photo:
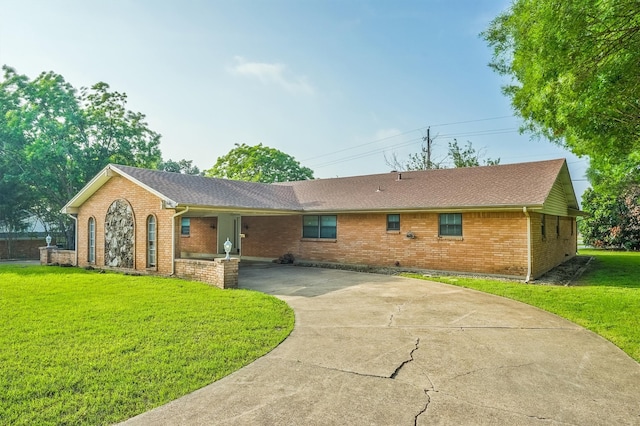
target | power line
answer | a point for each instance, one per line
(400, 145)
(479, 133)
(420, 129)
(472, 121)
(366, 154)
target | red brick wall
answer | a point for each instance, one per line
(492, 243)
(270, 236)
(202, 239)
(143, 204)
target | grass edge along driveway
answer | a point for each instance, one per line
(605, 299)
(80, 347)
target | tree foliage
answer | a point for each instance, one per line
(574, 69)
(15, 200)
(423, 160)
(183, 166)
(258, 164)
(468, 156)
(614, 221)
(55, 139)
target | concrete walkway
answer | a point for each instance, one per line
(378, 350)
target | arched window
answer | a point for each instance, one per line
(92, 241)
(151, 241)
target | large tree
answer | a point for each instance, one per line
(55, 138)
(614, 220)
(258, 163)
(574, 69)
(15, 197)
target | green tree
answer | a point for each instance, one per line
(61, 138)
(468, 156)
(16, 199)
(614, 221)
(574, 70)
(183, 166)
(258, 164)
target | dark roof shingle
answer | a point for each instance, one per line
(509, 185)
(211, 192)
(523, 184)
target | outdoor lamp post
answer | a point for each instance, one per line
(227, 248)
(48, 240)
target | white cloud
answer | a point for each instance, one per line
(273, 74)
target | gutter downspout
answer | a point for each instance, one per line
(75, 237)
(526, 213)
(173, 239)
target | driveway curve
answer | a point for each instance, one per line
(382, 350)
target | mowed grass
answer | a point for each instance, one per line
(606, 299)
(80, 347)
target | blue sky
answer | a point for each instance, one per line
(336, 84)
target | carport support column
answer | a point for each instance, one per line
(173, 239)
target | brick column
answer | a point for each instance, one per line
(227, 272)
(45, 255)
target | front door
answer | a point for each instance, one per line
(229, 226)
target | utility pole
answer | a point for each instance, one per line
(427, 149)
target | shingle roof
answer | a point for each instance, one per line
(211, 192)
(502, 186)
(523, 184)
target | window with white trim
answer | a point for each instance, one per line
(151, 241)
(92, 240)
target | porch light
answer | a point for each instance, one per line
(227, 248)
(48, 240)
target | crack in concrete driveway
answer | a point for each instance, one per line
(472, 358)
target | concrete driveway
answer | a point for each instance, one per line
(379, 350)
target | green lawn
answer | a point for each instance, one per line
(606, 299)
(81, 347)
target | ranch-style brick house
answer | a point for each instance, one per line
(516, 220)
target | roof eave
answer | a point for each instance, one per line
(194, 208)
(576, 212)
(88, 190)
(439, 209)
(109, 171)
